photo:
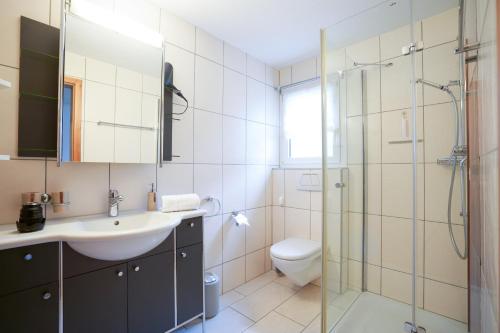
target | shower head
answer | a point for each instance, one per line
(433, 84)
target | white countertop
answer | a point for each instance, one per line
(68, 229)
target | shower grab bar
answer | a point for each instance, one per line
(105, 123)
(395, 142)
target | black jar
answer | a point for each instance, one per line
(31, 218)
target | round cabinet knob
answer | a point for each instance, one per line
(191, 224)
(119, 273)
(46, 295)
(137, 268)
(184, 255)
(28, 256)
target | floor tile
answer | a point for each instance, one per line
(227, 321)
(257, 283)
(229, 298)
(263, 301)
(314, 327)
(304, 306)
(345, 300)
(283, 280)
(275, 323)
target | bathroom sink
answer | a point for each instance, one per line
(123, 237)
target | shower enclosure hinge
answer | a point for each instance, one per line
(413, 47)
(339, 185)
(468, 48)
(410, 328)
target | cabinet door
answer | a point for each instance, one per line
(189, 282)
(151, 302)
(96, 302)
(31, 311)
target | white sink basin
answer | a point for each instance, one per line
(123, 237)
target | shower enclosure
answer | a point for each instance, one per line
(397, 258)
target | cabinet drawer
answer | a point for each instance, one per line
(28, 266)
(31, 311)
(189, 232)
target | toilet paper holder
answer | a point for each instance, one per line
(239, 218)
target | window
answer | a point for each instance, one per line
(301, 105)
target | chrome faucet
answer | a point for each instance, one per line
(113, 200)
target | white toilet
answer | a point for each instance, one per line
(299, 259)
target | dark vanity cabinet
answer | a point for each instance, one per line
(153, 293)
(29, 289)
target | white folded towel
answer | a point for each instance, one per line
(181, 202)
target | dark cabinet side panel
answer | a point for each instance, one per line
(31, 311)
(189, 282)
(151, 300)
(96, 302)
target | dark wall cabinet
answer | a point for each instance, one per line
(131, 296)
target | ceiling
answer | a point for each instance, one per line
(282, 32)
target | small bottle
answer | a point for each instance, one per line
(152, 198)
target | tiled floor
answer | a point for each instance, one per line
(269, 303)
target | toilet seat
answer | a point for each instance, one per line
(296, 249)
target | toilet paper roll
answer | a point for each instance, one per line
(240, 219)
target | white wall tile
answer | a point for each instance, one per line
(128, 79)
(374, 239)
(209, 46)
(355, 188)
(366, 51)
(99, 102)
(439, 124)
(255, 264)
(278, 224)
(151, 85)
(235, 94)
(355, 140)
(441, 65)
(272, 106)
(437, 186)
(208, 181)
(208, 85)
(212, 240)
(234, 140)
(183, 64)
(74, 65)
(234, 188)
(446, 299)
(373, 148)
(256, 101)
(269, 225)
(127, 145)
(233, 245)
(100, 71)
(297, 223)
(133, 182)
(98, 142)
(391, 42)
(398, 286)
(256, 232)
(233, 273)
(256, 186)
(128, 107)
(33, 180)
(182, 135)
(316, 226)
(278, 186)
(207, 137)
(177, 31)
(234, 58)
(440, 28)
(272, 77)
(304, 70)
(397, 190)
(256, 69)
(256, 143)
(293, 197)
(86, 183)
(272, 145)
(356, 236)
(441, 261)
(175, 179)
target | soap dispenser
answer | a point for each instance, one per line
(152, 198)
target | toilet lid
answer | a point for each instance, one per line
(295, 249)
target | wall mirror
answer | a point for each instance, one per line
(112, 91)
